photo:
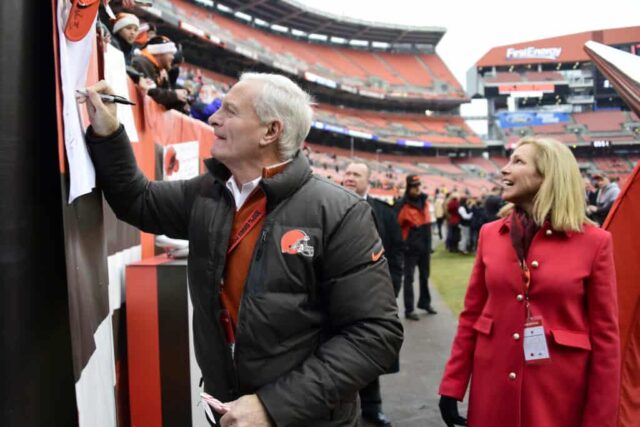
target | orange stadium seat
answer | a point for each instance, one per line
(410, 68)
(480, 162)
(373, 65)
(405, 73)
(612, 164)
(544, 76)
(438, 68)
(550, 128)
(343, 64)
(601, 121)
(503, 77)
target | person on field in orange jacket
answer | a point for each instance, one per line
(415, 222)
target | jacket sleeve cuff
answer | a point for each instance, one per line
(271, 405)
(452, 391)
(92, 138)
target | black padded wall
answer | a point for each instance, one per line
(35, 345)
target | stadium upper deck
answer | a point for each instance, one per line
(399, 129)
(386, 63)
(551, 87)
(551, 72)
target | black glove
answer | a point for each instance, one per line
(449, 411)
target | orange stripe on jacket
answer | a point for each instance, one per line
(239, 260)
(411, 217)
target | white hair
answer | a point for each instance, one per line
(281, 99)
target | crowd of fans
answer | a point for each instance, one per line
(458, 214)
(156, 64)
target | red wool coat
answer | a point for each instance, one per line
(573, 289)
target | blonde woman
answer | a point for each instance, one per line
(538, 336)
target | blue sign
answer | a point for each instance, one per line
(531, 118)
(344, 131)
(413, 143)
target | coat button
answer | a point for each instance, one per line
(512, 376)
(548, 232)
(535, 264)
(516, 336)
(519, 297)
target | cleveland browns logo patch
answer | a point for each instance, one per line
(296, 242)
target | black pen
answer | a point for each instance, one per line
(108, 98)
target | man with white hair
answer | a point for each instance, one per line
(294, 310)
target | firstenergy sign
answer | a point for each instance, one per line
(534, 53)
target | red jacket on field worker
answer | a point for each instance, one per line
(414, 220)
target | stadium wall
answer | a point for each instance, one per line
(37, 384)
(93, 252)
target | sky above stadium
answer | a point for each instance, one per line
(474, 27)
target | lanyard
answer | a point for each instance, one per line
(253, 219)
(526, 280)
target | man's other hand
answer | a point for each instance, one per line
(102, 115)
(247, 411)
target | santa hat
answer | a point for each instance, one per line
(159, 45)
(124, 19)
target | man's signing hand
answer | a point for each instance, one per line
(103, 115)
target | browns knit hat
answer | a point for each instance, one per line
(123, 20)
(413, 180)
(159, 45)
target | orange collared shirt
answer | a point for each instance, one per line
(239, 260)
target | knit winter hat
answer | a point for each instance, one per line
(413, 180)
(124, 19)
(159, 45)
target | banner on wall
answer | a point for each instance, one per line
(180, 161)
(74, 57)
(115, 73)
(531, 118)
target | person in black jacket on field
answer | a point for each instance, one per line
(356, 179)
(478, 219)
(293, 306)
(493, 203)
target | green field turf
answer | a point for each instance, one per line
(450, 274)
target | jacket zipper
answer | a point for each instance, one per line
(263, 240)
(268, 222)
(222, 260)
(258, 254)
